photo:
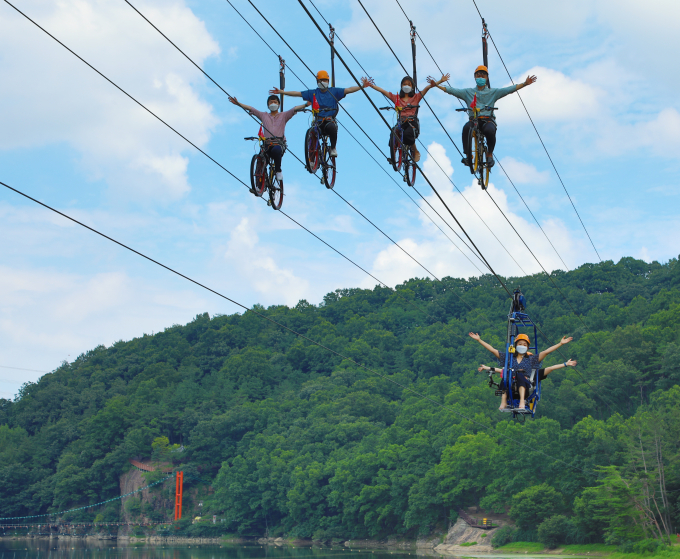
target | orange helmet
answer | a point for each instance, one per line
(482, 69)
(323, 75)
(522, 336)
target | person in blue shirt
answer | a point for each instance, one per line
(327, 98)
(486, 96)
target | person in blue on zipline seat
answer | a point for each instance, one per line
(327, 99)
(479, 97)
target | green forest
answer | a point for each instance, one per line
(295, 440)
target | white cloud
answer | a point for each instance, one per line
(255, 264)
(48, 316)
(443, 259)
(554, 97)
(57, 99)
(524, 173)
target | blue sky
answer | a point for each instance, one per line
(605, 104)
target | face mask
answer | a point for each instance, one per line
(521, 349)
(406, 88)
(481, 82)
(273, 107)
(322, 85)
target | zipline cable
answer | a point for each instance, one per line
(424, 176)
(354, 138)
(337, 194)
(417, 166)
(195, 146)
(292, 331)
(432, 157)
(539, 136)
(499, 163)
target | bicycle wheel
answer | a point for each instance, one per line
(275, 191)
(410, 172)
(483, 170)
(258, 168)
(396, 151)
(329, 170)
(312, 150)
(474, 145)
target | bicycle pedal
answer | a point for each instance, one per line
(269, 203)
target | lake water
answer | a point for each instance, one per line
(78, 549)
(103, 549)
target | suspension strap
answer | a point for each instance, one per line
(331, 36)
(485, 49)
(413, 51)
(282, 78)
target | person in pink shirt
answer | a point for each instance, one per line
(407, 101)
(273, 128)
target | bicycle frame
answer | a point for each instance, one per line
(479, 167)
(398, 132)
(271, 184)
(322, 151)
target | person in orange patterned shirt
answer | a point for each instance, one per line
(407, 101)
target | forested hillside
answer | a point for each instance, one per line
(298, 441)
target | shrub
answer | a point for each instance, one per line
(503, 535)
(468, 544)
(642, 546)
(555, 530)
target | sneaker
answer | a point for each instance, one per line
(334, 152)
(279, 176)
(465, 161)
(489, 161)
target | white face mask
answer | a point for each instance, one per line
(522, 349)
(273, 107)
(322, 84)
(406, 88)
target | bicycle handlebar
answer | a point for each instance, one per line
(487, 108)
(251, 138)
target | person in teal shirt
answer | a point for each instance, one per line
(486, 97)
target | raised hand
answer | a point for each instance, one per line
(565, 340)
(431, 81)
(530, 80)
(367, 82)
(571, 363)
(275, 91)
(233, 100)
(445, 78)
(474, 336)
(483, 368)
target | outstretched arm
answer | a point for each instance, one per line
(431, 83)
(244, 107)
(492, 369)
(368, 82)
(570, 363)
(354, 88)
(488, 347)
(277, 91)
(301, 107)
(434, 83)
(546, 352)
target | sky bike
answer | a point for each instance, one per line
(477, 142)
(263, 173)
(400, 155)
(318, 152)
(518, 319)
